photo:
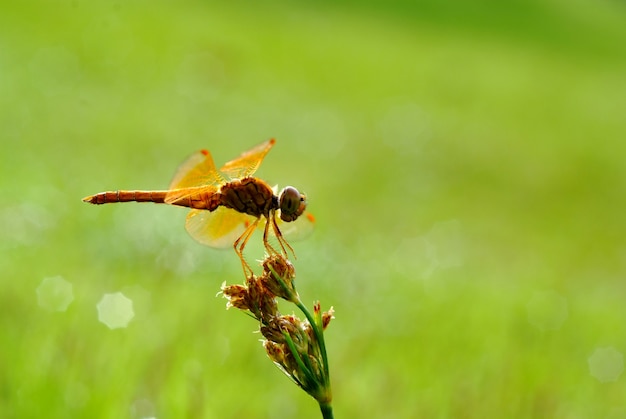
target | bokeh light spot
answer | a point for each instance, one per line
(115, 310)
(24, 224)
(178, 259)
(442, 248)
(55, 294)
(547, 310)
(606, 364)
(447, 244)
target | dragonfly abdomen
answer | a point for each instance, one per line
(200, 199)
(108, 197)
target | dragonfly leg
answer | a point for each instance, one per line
(240, 244)
(279, 236)
(270, 249)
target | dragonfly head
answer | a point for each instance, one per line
(291, 203)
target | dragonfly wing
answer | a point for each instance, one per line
(195, 175)
(219, 228)
(298, 229)
(248, 162)
(197, 170)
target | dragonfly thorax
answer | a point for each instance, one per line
(249, 195)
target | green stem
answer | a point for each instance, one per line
(327, 410)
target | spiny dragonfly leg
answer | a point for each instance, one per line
(281, 240)
(240, 244)
(270, 249)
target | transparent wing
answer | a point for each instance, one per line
(248, 162)
(296, 230)
(197, 170)
(196, 174)
(219, 228)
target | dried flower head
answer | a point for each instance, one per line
(237, 296)
(276, 329)
(327, 316)
(253, 297)
(275, 352)
(295, 346)
(278, 276)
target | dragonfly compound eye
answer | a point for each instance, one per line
(291, 203)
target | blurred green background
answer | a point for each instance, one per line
(465, 163)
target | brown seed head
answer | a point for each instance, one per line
(291, 365)
(327, 316)
(278, 276)
(268, 306)
(274, 351)
(255, 296)
(273, 330)
(294, 327)
(272, 333)
(237, 296)
(280, 265)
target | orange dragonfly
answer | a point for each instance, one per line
(227, 212)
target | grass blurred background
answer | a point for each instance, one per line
(465, 163)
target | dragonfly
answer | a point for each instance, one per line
(227, 206)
